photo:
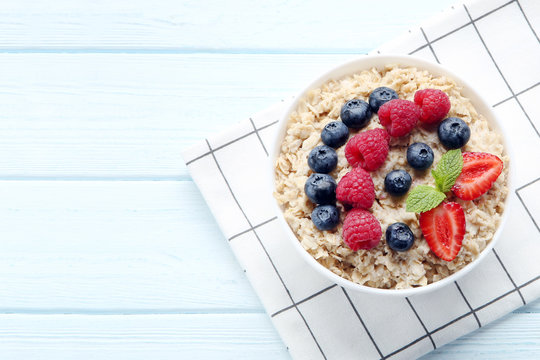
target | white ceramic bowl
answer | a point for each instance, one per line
(379, 61)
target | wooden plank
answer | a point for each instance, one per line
(215, 336)
(533, 307)
(102, 247)
(298, 26)
(130, 115)
(183, 336)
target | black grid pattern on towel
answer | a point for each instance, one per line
(473, 23)
(252, 228)
(472, 311)
(428, 334)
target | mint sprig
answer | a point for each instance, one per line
(448, 170)
(424, 198)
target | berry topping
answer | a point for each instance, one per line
(361, 230)
(399, 237)
(325, 217)
(419, 156)
(434, 105)
(322, 159)
(368, 149)
(480, 170)
(399, 116)
(321, 189)
(444, 229)
(453, 133)
(355, 113)
(335, 134)
(356, 188)
(380, 96)
(397, 182)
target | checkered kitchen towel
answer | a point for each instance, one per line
(495, 45)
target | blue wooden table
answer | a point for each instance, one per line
(108, 251)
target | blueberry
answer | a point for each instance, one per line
(380, 96)
(322, 159)
(397, 182)
(356, 113)
(321, 189)
(399, 237)
(419, 156)
(335, 134)
(325, 217)
(453, 133)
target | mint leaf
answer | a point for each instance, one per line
(424, 198)
(448, 170)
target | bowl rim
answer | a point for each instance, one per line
(365, 62)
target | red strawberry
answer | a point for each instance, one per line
(444, 229)
(480, 170)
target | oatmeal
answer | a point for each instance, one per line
(382, 267)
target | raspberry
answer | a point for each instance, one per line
(368, 149)
(361, 230)
(399, 116)
(434, 105)
(356, 188)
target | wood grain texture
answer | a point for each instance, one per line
(114, 337)
(239, 26)
(115, 246)
(94, 93)
(129, 115)
(215, 336)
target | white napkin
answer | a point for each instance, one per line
(493, 44)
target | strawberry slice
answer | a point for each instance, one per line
(444, 229)
(480, 170)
